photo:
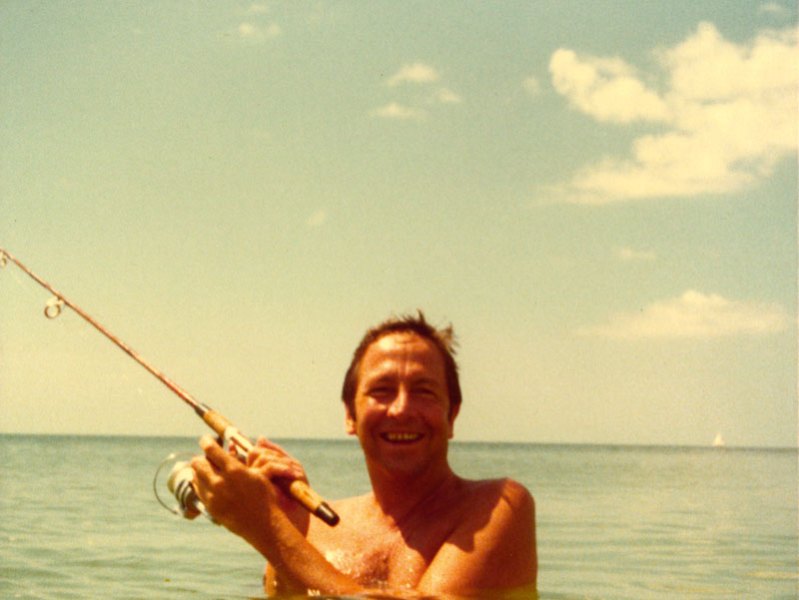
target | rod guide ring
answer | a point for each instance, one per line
(53, 307)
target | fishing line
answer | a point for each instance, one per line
(227, 432)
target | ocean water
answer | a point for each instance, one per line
(79, 519)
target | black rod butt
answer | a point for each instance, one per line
(327, 514)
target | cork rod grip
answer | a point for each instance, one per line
(313, 502)
(299, 490)
(216, 422)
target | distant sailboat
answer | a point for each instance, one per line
(718, 441)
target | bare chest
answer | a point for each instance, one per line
(377, 557)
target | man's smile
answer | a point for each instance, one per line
(400, 437)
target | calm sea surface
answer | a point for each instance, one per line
(78, 519)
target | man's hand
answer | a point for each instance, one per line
(244, 499)
(280, 468)
(237, 496)
(226, 485)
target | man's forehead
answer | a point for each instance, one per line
(398, 345)
(400, 341)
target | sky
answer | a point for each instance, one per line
(599, 196)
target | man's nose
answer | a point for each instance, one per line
(400, 404)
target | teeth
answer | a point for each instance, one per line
(401, 437)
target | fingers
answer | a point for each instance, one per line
(205, 471)
(204, 477)
(210, 467)
(274, 462)
(266, 457)
(265, 443)
(215, 454)
(232, 490)
(276, 466)
(237, 497)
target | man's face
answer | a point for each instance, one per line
(402, 404)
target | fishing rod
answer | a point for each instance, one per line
(180, 479)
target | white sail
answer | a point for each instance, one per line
(718, 442)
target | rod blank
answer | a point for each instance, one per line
(299, 490)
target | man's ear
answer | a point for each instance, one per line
(349, 421)
(453, 413)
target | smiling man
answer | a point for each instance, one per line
(422, 527)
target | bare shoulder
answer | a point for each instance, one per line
(493, 545)
(503, 518)
(506, 486)
(503, 494)
(497, 515)
(515, 494)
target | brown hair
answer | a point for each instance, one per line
(442, 339)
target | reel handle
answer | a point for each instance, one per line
(180, 485)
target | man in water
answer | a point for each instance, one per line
(422, 528)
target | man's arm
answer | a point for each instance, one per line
(492, 550)
(497, 553)
(245, 501)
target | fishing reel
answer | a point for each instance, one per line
(176, 475)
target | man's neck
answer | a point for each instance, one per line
(398, 495)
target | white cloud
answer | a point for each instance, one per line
(258, 33)
(708, 67)
(257, 8)
(773, 8)
(247, 30)
(694, 315)
(414, 73)
(272, 30)
(447, 96)
(606, 89)
(393, 110)
(418, 74)
(627, 254)
(317, 218)
(727, 115)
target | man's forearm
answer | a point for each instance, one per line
(297, 561)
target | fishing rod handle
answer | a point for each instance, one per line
(313, 502)
(297, 489)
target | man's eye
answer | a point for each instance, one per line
(380, 392)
